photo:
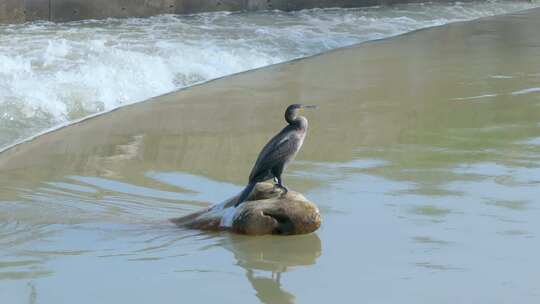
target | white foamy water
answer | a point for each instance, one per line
(51, 74)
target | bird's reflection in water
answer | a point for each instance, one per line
(266, 258)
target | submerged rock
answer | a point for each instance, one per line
(266, 211)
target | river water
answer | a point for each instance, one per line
(424, 159)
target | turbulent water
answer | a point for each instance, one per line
(51, 74)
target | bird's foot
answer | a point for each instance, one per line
(285, 190)
(279, 185)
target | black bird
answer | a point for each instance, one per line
(279, 151)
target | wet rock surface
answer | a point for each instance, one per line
(266, 211)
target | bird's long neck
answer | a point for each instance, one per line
(297, 121)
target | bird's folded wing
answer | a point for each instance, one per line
(274, 154)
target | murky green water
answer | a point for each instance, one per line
(424, 159)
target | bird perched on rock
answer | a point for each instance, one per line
(279, 151)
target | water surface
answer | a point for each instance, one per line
(424, 159)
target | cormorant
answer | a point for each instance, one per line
(279, 151)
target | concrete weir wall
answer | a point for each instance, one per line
(14, 11)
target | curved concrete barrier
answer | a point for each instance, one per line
(12, 11)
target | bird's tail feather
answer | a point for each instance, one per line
(245, 193)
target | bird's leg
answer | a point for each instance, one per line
(280, 184)
(276, 183)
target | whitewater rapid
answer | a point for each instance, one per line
(52, 74)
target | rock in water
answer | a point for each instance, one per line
(266, 211)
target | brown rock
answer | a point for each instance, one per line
(266, 211)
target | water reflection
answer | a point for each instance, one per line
(266, 259)
(33, 293)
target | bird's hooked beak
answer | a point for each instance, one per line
(310, 107)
